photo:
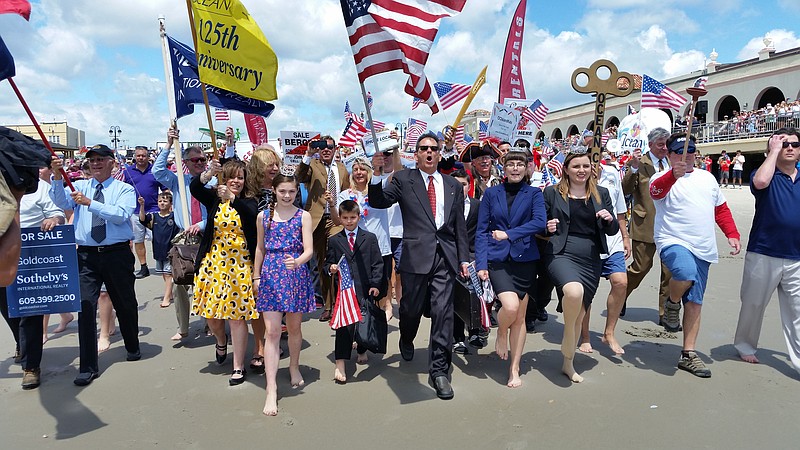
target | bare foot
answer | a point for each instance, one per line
(362, 359)
(586, 347)
(297, 379)
(339, 373)
(501, 346)
(389, 314)
(166, 302)
(44, 339)
(271, 405)
(103, 344)
(178, 336)
(569, 371)
(612, 343)
(514, 381)
(63, 324)
(749, 358)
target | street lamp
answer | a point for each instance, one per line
(400, 127)
(113, 132)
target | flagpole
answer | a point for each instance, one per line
(202, 83)
(39, 130)
(183, 195)
(696, 93)
(369, 117)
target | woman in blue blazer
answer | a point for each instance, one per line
(505, 252)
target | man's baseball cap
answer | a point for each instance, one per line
(100, 150)
(677, 145)
(587, 133)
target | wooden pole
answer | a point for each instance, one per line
(202, 83)
(696, 93)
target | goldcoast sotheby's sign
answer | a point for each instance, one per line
(232, 52)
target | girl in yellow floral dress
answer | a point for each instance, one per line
(223, 286)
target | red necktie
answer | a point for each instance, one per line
(432, 196)
(351, 240)
(197, 214)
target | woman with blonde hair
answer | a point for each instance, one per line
(579, 219)
(262, 167)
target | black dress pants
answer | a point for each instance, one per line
(27, 333)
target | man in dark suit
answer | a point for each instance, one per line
(636, 182)
(435, 249)
(324, 179)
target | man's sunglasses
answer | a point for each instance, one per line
(424, 148)
(680, 151)
(198, 159)
(793, 144)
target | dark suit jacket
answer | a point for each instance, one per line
(365, 261)
(472, 225)
(420, 236)
(643, 214)
(558, 208)
(246, 207)
(315, 177)
(526, 219)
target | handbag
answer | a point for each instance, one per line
(182, 256)
(372, 331)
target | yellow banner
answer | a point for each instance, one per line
(232, 52)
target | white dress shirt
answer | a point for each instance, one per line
(438, 186)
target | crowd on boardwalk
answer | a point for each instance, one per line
(272, 244)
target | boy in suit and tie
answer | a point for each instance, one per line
(362, 253)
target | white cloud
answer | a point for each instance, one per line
(781, 40)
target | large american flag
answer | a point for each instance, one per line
(536, 113)
(656, 95)
(353, 131)
(387, 35)
(346, 310)
(415, 129)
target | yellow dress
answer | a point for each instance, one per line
(223, 287)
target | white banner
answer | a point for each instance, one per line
(503, 122)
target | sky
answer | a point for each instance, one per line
(98, 63)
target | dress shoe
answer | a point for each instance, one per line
(442, 386)
(85, 378)
(478, 341)
(461, 348)
(237, 381)
(530, 325)
(541, 315)
(134, 356)
(325, 316)
(30, 380)
(406, 351)
(142, 273)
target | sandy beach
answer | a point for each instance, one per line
(178, 397)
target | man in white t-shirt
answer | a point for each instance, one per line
(688, 202)
(738, 166)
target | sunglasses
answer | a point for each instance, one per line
(680, 151)
(425, 148)
(198, 159)
(793, 144)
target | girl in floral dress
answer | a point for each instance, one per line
(282, 280)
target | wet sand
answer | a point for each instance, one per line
(177, 397)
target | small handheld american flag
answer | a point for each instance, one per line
(346, 311)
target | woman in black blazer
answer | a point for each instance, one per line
(578, 221)
(505, 251)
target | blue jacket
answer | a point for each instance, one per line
(526, 219)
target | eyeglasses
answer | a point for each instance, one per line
(97, 160)
(198, 159)
(515, 165)
(425, 148)
(330, 146)
(680, 151)
(793, 144)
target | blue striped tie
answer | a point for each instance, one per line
(98, 223)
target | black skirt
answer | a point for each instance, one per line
(578, 262)
(513, 276)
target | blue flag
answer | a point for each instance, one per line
(188, 91)
(6, 62)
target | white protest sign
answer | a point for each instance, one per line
(291, 140)
(503, 122)
(525, 128)
(348, 160)
(409, 160)
(385, 142)
(633, 129)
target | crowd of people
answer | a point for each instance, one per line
(272, 239)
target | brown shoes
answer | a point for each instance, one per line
(30, 380)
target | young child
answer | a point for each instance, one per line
(164, 229)
(362, 253)
(283, 281)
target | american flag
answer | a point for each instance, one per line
(547, 178)
(604, 139)
(700, 82)
(483, 130)
(416, 102)
(369, 101)
(221, 114)
(656, 95)
(387, 35)
(415, 129)
(346, 310)
(348, 114)
(460, 134)
(536, 113)
(353, 131)
(119, 172)
(378, 125)
(556, 164)
(450, 93)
